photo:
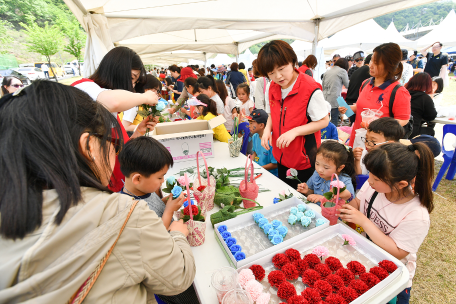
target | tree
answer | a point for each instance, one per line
(76, 41)
(45, 41)
(5, 39)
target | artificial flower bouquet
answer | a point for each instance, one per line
(195, 220)
(148, 110)
(196, 211)
(204, 189)
(331, 201)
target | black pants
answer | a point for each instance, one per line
(303, 175)
(187, 297)
(335, 116)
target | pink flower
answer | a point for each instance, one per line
(254, 289)
(263, 298)
(245, 276)
(282, 192)
(289, 172)
(337, 184)
(181, 180)
(320, 251)
(348, 240)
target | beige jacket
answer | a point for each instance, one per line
(50, 264)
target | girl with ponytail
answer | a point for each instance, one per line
(393, 207)
(208, 110)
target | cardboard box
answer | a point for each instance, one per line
(185, 138)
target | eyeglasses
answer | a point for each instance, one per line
(17, 86)
(115, 141)
(359, 59)
(371, 143)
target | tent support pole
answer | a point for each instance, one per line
(315, 41)
(205, 60)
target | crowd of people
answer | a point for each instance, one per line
(81, 165)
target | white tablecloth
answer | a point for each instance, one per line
(445, 121)
(209, 256)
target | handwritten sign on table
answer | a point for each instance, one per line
(342, 103)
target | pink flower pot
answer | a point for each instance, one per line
(330, 213)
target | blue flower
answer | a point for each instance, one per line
(262, 222)
(305, 221)
(282, 231)
(221, 228)
(186, 204)
(320, 221)
(272, 233)
(163, 100)
(276, 224)
(257, 217)
(177, 190)
(301, 207)
(310, 213)
(299, 214)
(277, 239)
(226, 235)
(235, 248)
(292, 219)
(230, 241)
(239, 256)
(276, 200)
(160, 106)
(294, 210)
(266, 227)
(171, 180)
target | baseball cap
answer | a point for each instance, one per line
(430, 141)
(404, 54)
(358, 55)
(336, 55)
(258, 115)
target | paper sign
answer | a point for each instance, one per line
(342, 103)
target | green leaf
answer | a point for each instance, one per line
(290, 177)
(328, 195)
(329, 204)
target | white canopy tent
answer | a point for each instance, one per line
(114, 21)
(396, 37)
(175, 57)
(444, 32)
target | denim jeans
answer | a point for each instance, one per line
(335, 116)
(404, 296)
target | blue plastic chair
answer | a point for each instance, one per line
(360, 180)
(449, 159)
(245, 130)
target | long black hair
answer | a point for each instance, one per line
(114, 71)
(205, 82)
(211, 106)
(40, 131)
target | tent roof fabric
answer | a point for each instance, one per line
(444, 32)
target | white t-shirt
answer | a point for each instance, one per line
(130, 115)
(407, 73)
(219, 103)
(246, 106)
(44, 68)
(230, 104)
(407, 224)
(317, 107)
(363, 166)
(92, 89)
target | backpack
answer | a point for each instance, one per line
(408, 128)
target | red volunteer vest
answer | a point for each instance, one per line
(117, 178)
(303, 69)
(290, 113)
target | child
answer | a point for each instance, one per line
(380, 131)
(293, 128)
(208, 112)
(230, 105)
(243, 102)
(144, 162)
(393, 207)
(332, 157)
(263, 157)
(330, 132)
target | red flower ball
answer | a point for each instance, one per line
(258, 272)
(301, 265)
(323, 270)
(311, 295)
(312, 260)
(297, 300)
(280, 260)
(379, 272)
(293, 254)
(333, 263)
(323, 287)
(194, 210)
(335, 299)
(370, 279)
(310, 276)
(290, 271)
(388, 266)
(359, 286)
(335, 281)
(346, 275)
(201, 188)
(356, 267)
(349, 294)
(286, 290)
(276, 277)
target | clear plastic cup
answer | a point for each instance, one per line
(237, 296)
(224, 280)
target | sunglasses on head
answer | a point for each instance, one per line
(115, 141)
(17, 85)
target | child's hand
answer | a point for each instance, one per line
(352, 215)
(148, 122)
(303, 188)
(266, 140)
(315, 198)
(175, 204)
(179, 226)
(358, 152)
(285, 139)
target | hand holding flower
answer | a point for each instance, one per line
(303, 188)
(352, 215)
(175, 204)
(315, 198)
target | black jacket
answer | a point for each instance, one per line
(423, 110)
(356, 80)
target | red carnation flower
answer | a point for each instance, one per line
(335, 281)
(333, 263)
(370, 279)
(379, 272)
(388, 266)
(323, 287)
(194, 210)
(258, 272)
(301, 265)
(297, 299)
(286, 290)
(276, 277)
(349, 294)
(356, 267)
(359, 286)
(346, 275)
(280, 260)
(290, 271)
(312, 260)
(201, 188)
(323, 270)
(335, 299)
(311, 295)
(293, 254)
(310, 276)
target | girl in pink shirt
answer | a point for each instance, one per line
(393, 207)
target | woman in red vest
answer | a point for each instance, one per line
(308, 65)
(118, 85)
(298, 112)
